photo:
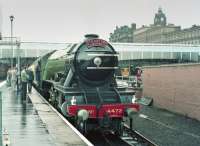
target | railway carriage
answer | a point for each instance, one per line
(80, 82)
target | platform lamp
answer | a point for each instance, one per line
(11, 35)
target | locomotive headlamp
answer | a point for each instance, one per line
(73, 100)
(97, 61)
(83, 115)
(133, 99)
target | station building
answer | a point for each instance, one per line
(185, 36)
(123, 34)
(158, 32)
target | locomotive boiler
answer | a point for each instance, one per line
(80, 82)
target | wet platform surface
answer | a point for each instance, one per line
(22, 122)
(61, 131)
(166, 128)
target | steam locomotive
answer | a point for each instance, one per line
(80, 82)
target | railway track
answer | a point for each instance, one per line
(134, 138)
(99, 138)
(129, 137)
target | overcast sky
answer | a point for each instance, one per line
(69, 20)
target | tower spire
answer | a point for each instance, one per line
(160, 18)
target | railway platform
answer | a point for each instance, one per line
(166, 128)
(21, 122)
(33, 122)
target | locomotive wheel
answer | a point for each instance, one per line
(119, 128)
(52, 97)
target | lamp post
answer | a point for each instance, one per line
(11, 35)
(18, 69)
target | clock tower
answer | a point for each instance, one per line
(160, 18)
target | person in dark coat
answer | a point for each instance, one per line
(24, 78)
(30, 80)
(38, 72)
(139, 76)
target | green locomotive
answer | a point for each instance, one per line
(80, 82)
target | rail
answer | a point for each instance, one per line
(134, 138)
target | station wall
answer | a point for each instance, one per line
(174, 87)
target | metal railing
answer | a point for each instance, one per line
(123, 78)
(130, 81)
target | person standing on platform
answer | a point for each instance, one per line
(8, 79)
(30, 79)
(24, 77)
(14, 79)
(139, 76)
(38, 72)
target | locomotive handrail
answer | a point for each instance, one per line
(102, 67)
(69, 92)
(93, 54)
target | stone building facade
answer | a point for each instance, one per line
(153, 33)
(161, 32)
(184, 36)
(158, 32)
(123, 34)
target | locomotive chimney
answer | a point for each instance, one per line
(91, 36)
